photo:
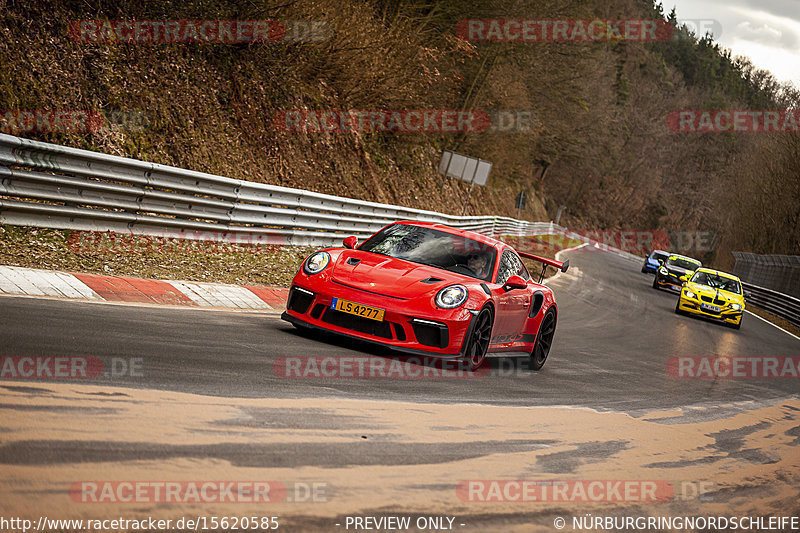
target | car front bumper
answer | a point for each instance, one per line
(403, 328)
(725, 314)
(669, 281)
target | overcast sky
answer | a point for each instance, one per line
(767, 31)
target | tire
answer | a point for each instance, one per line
(655, 282)
(479, 338)
(739, 325)
(678, 308)
(644, 270)
(544, 340)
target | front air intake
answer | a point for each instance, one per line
(299, 300)
(430, 333)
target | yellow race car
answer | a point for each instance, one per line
(713, 294)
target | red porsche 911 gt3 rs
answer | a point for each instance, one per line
(428, 289)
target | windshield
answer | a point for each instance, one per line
(434, 248)
(680, 262)
(658, 256)
(717, 282)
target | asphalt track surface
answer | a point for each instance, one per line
(209, 405)
(614, 337)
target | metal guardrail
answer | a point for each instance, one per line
(779, 304)
(67, 188)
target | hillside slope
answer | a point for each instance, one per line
(597, 143)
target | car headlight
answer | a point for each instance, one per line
(689, 294)
(736, 307)
(452, 296)
(316, 263)
(663, 271)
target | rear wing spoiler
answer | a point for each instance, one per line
(562, 266)
(559, 265)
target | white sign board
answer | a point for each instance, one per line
(482, 174)
(465, 168)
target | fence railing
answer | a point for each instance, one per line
(55, 186)
(777, 272)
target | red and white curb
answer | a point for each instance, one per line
(94, 287)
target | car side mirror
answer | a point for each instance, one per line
(515, 282)
(351, 242)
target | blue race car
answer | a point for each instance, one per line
(654, 260)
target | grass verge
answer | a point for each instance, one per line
(778, 321)
(154, 258)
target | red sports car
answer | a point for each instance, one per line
(428, 289)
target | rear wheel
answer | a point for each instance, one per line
(544, 340)
(478, 343)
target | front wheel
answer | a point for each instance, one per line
(544, 340)
(478, 343)
(655, 282)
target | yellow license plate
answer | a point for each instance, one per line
(373, 313)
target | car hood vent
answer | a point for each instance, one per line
(386, 275)
(353, 261)
(432, 280)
